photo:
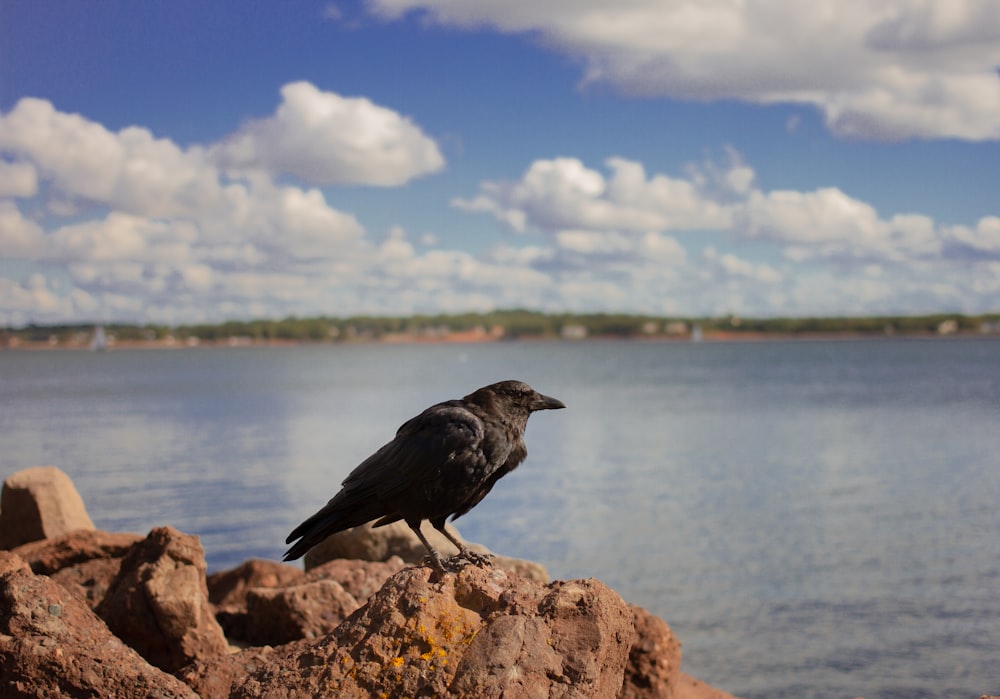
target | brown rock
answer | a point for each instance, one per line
(53, 645)
(307, 610)
(359, 578)
(229, 588)
(90, 580)
(263, 602)
(217, 678)
(654, 661)
(368, 543)
(479, 633)
(11, 563)
(39, 503)
(84, 561)
(689, 688)
(50, 555)
(159, 605)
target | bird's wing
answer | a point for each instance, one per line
(423, 447)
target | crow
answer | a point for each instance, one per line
(441, 463)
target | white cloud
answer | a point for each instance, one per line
(876, 70)
(731, 266)
(829, 223)
(138, 223)
(596, 247)
(118, 237)
(18, 179)
(130, 171)
(563, 194)
(20, 238)
(818, 248)
(983, 240)
(37, 299)
(591, 218)
(824, 215)
(324, 138)
(78, 156)
(126, 225)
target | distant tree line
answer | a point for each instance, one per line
(512, 324)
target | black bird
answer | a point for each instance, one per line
(441, 463)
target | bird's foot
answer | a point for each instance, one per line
(455, 563)
(475, 558)
(452, 564)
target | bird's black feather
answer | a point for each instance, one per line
(441, 464)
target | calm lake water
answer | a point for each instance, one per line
(813, 519)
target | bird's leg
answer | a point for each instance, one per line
(432, 554)
(464, 552)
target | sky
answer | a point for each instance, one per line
(199, 161)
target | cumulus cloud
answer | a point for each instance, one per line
(634, 231)
(324, 138)
(731, 266)
(562, 194)
(18, 180)
(908, 69)
(981, 241)
(103, 224)
(629, 213)
(21, 238)
(130, 171)
(140, 225)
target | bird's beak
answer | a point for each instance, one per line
(546, 403)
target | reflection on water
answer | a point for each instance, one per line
(813, 519)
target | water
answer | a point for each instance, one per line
(814, 519)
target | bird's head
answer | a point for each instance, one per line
(516, 396)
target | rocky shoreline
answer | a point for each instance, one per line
(90, 613)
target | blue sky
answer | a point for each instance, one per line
(190, 161)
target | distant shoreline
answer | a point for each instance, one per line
(512, 325)
(713, 338)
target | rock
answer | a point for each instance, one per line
(39, 503)
(218, 678)
(84, 561)
(360, 578)
(48, 556)
(307, 610)
(228, 588)
(53, 645)
(688, 687)
(654, 661)
(524, 568)
(90, 580)
(369, 543)
(286, 604)
(158, 603)
(479, 633)
(11, 563)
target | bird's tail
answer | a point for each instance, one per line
(335, 516)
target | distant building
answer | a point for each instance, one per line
(948, 327)
(573, 332)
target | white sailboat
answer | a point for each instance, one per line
(99, 342)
